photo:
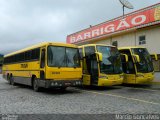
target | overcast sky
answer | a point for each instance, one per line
(27, 22)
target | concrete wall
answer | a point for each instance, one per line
(107, 41)
(152, 39)
(125, 40)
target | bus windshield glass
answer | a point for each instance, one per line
(111, 63)
(63, 57)
(145, 64)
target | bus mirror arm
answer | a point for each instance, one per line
(136, 58)
(100, 56)
(154, 57)
(124, 57)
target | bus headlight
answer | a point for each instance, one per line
(139, 75)
(121, 76)
(103, 77)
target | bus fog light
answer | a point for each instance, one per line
(56, 83)
(52, 84)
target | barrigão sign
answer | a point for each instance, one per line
(135, 19)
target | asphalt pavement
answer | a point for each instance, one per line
(137, 99)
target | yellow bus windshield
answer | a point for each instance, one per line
(59, 56)
(111, 63)
(145, 65)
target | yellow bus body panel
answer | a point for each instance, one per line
(86, 79)
(112, 80)
(63, 73)
(106, 80)
(29, 68)
(16, 70)
(129, 78)
(132, 79)
(148, 78)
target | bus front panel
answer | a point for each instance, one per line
(137, 72)
(107, 72)
(109, 80)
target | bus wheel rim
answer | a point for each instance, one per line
(35, 85)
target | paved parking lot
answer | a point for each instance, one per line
(157, 77)
(118, 99)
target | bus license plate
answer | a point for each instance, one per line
(67, 83)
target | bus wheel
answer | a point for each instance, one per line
(12, 80)
(8, 79)
(35, 85)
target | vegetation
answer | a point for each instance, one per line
(1, 59)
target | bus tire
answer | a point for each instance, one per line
(12, 80)
(8, 79)
(36, 88)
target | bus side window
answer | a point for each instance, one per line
(42, 58)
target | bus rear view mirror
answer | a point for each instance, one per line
(124, 57)
(136, 58)
(100, 56)
(154, 57)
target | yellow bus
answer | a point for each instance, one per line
(139, 68)
(101, 65)
(44, 65)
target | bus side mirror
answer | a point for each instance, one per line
(136, 58)
(154, 57)
(124, 57)
(100, 56)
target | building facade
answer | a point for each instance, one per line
(139, 28)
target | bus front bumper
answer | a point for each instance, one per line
(110, 82)
(141, 80)
(59, 83)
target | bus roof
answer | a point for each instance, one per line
(95, 45)
(41, 45)
(129, 47)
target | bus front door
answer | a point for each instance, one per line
(42, 63)
(92, 66)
